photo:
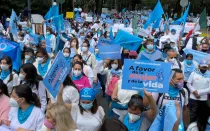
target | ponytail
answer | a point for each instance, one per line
(35, 100)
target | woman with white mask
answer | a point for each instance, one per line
(49, 35)
(29, 56)
(43, 62)
(25, 113)
(7, 75)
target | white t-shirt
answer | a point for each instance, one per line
(167, 98)
(12, 82)
(87, 121)
(34, 121)
(70, 95)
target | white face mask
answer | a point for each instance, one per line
(84, 49)
(4, 67)
(133, 118)
(66, 54)
(27, 57)
(13, 102)
(22, 77)
(77, 73)
(114, 66)
(47, 32)
(40, 60)
(107, 35)
(172, 60)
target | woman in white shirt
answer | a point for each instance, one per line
(28, 75)
(25, 113)
(52, 38)
(86, 69)
(7, 75)
(70, 93)
(43, 62)
(199, 86)
(87, 115)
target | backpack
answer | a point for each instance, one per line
(111, 85)
(160, 94)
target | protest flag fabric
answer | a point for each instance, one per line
(155, 14)
(111, 36)
(58, 22)
(123, 10)
(157, 23)
(12, 23)
(203, 20)
(53, 11)
(48, 45)
(197, 55)
(183, 18)
(11, 49)
(34, 38)
(127, 40)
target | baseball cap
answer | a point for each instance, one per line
(203, 63)
(87, 94)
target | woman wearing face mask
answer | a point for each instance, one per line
(49, 35)
(86, 69)
(188, 66)
(58, 118)
(203, 121)
(43, 62)
(87, 115)
(70, 94)
(23, 42)
(66, 53)
(29, 56)
(124, 55)
(28, 75)
(25, 113)
(7, 75)
(113, 75)
(4, 103)
(137, 119)
(78, 77)
(89, 57)
(199, 86)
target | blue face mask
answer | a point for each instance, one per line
(189, 62)
(86, 106)
(150, 47)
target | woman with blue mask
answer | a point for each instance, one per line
(87, 115)
(188, 66)
(137, 119)
(43, 62)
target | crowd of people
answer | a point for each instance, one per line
(27, 105)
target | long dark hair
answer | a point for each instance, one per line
(113, 124)
(81, 64)
(9, 62)
(203, 115)
(25, 91)
(136, 102)
(77, 42)
(93, 109)
(43, 51)
(3, 88)
(68, 82)
(80, 57)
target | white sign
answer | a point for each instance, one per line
(89, 19)
(178, 28)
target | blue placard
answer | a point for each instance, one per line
(109, 51)
(103, 42)
(151, 75)
(57, 74)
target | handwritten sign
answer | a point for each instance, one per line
(154, 76)
(56, 74)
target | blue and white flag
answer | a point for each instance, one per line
(53, 11)
(13, 23)
(155, 14)
(12, 49)
(197, 55)
(58, 22)
(34, 38)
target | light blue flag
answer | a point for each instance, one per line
(12, 23)
(77, 14)
(155, 14)
(109, 51)
(79, 20)
(58, 22)
(48, 15)
(123, 10)
(12, 49)
(127, 40)
(157, 23)
(103, 16)
(183, 18)
(197, 55)
(111, 36)
(165, 119)
(34, 38)
(53, 11)
(48, 45)
(109, 21)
